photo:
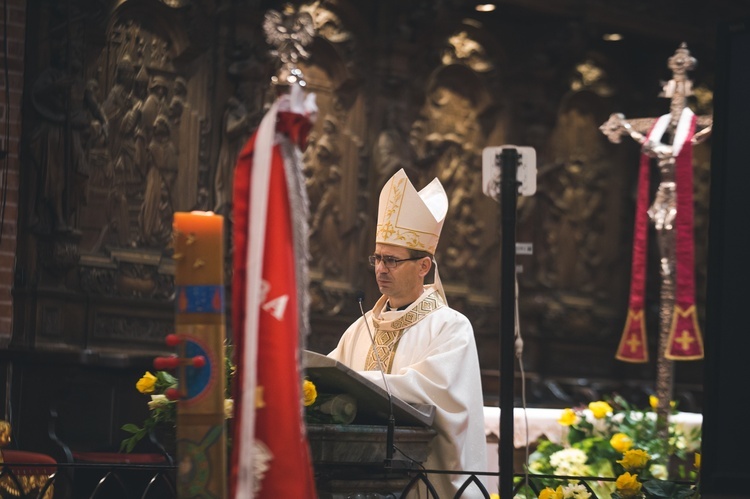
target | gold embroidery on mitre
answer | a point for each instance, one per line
(388, 232)
(409, 218)
(395, 198)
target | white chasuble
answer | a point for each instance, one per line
(430, 357)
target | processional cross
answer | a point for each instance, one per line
(668, 140)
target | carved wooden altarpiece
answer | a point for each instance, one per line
(134, 109)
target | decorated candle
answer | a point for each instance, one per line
(199, 337)
(199, 273)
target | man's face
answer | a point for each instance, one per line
(402, 284)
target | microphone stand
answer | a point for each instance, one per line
(508, 162)
(391, 428)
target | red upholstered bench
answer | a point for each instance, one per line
(32, 472)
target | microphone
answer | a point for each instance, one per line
(391, 429)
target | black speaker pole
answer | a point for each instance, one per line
(508, 163)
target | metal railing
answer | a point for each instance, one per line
(88, 481)
(154, 481)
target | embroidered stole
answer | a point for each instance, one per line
(388, 332)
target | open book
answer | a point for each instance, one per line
(333, 377)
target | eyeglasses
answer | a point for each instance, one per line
(390, 262)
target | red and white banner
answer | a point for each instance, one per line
(270, 454)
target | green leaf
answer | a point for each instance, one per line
(130, 428)
(129, 443)
(659, 488)
(164, 380)
(575, 435)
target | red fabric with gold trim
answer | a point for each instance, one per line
(633, 347)
(635, 325)
(685, 341)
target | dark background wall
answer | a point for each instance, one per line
(14, 30)
(721, 475)
(421, 85)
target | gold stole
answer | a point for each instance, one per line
(388, 333)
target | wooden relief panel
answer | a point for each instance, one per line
(456, 121)
(334, 165)
(117, 140)
(115, 147)
(575, 219)
(137, 109)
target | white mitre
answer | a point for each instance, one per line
(409, 218)
(412, 219)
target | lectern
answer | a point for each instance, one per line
(351, 458)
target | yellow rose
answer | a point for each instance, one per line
(621, 442)
(147, 383)
(568, 417)
(635, 459)
(697, 462)
(653, 401)
(494, 496)
(228, 408)
(549, 493)
(628, 485)
(309, 393)
(600, 409)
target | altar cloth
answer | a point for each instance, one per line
(543, 422)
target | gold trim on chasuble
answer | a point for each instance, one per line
(388, 334)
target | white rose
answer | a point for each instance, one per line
(659, 471)
(158, 401)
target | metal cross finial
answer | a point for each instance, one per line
(678, 89)
(681, 62)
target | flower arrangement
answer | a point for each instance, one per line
(612, 439)
(162, 410)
